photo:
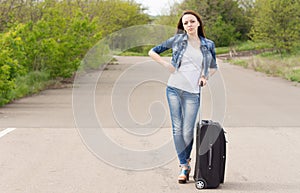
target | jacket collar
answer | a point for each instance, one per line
(202, 39)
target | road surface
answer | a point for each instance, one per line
(45, 146)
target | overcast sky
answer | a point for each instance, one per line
(157, 7)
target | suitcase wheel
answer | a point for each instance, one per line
(200, 184)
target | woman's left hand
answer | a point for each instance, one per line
(203, 80)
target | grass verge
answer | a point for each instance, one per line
(273, 64)
(30, 84)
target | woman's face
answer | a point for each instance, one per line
(190, 24)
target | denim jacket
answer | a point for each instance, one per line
(178, 43)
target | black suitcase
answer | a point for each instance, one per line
(210, 155)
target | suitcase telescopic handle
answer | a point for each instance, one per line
(200, 101)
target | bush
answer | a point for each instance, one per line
(274, 64)
(294, 75)
(222, 33)
(31, 83)
(12, 51)
(47, 40)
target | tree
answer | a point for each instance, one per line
(51, 37)
(114, 15)
(277, 22)
(223, 33)
(224, 17)
(18, 11)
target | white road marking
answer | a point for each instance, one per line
(6, 131)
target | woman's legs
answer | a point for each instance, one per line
(190, 111)
(183, 109)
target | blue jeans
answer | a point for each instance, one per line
(184, 108)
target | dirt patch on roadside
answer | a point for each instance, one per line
(239, 54)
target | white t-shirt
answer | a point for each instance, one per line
(187, 76)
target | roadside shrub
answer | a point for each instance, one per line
(294, 75)
(12, 51)
(222, 33)
(31, 83)
(46, 40)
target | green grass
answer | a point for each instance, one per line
(286, 66)
(243, 46)
(242, 63)
(30, 84)
(294, 75)
(129, 53)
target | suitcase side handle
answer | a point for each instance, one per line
(210, 156)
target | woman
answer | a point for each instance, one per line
(193, 61)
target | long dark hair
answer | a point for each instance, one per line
(180, 28)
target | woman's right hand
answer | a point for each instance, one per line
(171, 68)
(161, 61)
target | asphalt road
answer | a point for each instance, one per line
(110, 133)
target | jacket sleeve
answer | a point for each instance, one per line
(213, 63)
(164, 46)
